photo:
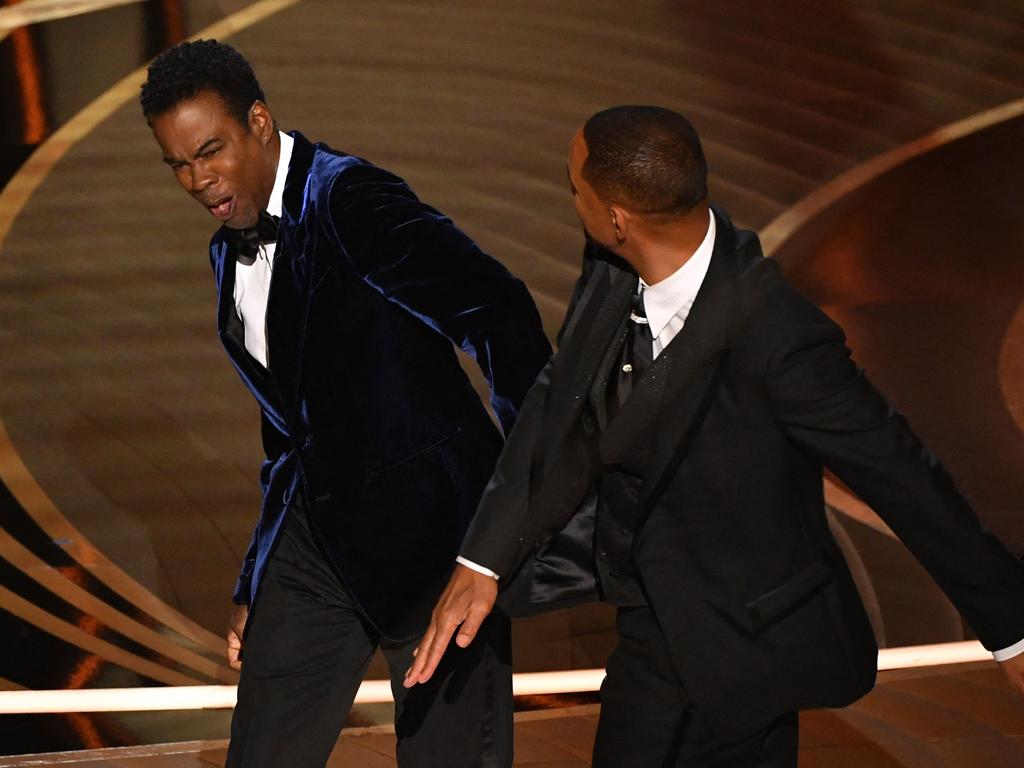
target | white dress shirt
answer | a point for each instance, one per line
(667, 305)
(252, 281)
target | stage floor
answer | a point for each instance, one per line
(929, 718)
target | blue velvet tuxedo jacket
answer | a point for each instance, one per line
(366, 410)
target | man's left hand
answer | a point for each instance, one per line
(1014, 669)
(464, 604)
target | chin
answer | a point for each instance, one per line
(242, 220)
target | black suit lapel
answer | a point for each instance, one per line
(588, 338)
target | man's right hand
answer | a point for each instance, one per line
(464, 604)
(236, 626)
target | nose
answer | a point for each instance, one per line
(201, 177)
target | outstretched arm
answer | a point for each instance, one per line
(493, 540)
(827, 405)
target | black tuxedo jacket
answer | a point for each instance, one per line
(732, 425)
(366, 410)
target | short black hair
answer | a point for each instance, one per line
(646, 158)
(186, 70)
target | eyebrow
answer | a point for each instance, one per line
(568, 175)
(198, 152)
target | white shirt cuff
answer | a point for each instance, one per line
(1005, 654)
(488, 572)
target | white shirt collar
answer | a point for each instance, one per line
(675, 294)
(274, 206)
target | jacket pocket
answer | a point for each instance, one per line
(781, 600)
(426, 447)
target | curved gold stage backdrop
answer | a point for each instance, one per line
(129, 449)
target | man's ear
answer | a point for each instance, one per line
(621, 221)
(261, 122)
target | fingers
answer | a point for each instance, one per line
(417, 665)
(430, 650)
(234, 650)
(469, 628)
(236, 626)
(465, 602)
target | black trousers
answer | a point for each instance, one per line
(647, 721)
(306, 650)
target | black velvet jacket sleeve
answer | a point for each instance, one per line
(418, 259)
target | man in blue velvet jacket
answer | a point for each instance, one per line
(340, 296)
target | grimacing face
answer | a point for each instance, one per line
(229, 167)
(594, 213)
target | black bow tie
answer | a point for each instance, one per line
(247, 242)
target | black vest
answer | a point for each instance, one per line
(618, 508)
(617, 511)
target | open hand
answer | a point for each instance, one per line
(464, 604)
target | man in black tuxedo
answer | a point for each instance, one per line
(340, 296)
(669, 459)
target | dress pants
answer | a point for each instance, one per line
(647, 721)
(306, 649)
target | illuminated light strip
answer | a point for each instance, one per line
(379, 691)
(939, 654)
(35, 11)
(30, 89)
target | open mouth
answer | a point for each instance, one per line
(222, 208)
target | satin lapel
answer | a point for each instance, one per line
(288, 301)
(586, 341)
(566, 465)
(603, 375)
(673, 385)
